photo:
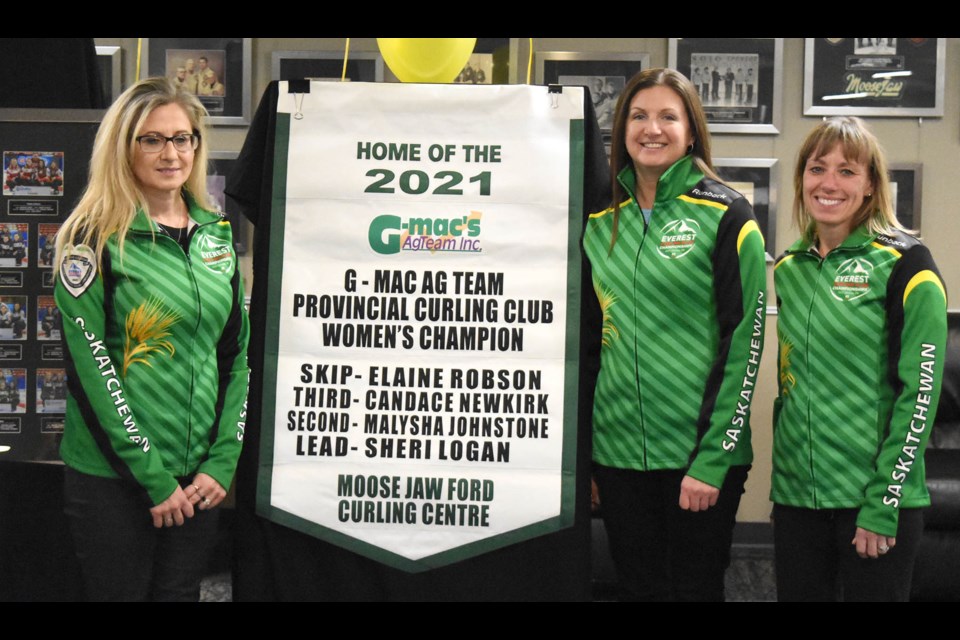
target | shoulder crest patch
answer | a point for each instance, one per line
(79, 269)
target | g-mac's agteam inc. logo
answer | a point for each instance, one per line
(390, 234)
(852, 279)
(678, 238)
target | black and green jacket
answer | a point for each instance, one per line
(862, 335)
(683, 302)
(156, 356)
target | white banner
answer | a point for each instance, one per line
(420, 387)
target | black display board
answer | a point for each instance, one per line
(45, 172)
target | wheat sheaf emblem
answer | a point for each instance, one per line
(787, 380)
(147, 329)
(607, 300)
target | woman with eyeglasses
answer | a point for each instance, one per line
(156, 333)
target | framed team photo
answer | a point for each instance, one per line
(901, 77)
(49, 321)
(13, 317)
(13, 390)
(51, 391)
(46, 237)
(216, 70)
(478, 70)
(756, 179)
(14, 244)
(33, 173)
(739, 80)
(604, 74)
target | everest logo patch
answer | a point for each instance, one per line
(216, 254)
(852, 279)
(678, 238)
(78, 270)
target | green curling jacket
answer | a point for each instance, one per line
(683, 300)
(156, 356)
(862, 338)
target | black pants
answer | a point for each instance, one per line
(660, 551)
(816, 562)
(122, 556)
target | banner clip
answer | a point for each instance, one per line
(554, 90)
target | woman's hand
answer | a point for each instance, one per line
(872, 545)
(172, 511)
(696, 495)
(205, 492)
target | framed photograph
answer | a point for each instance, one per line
(605, 74)
(13, 390)
(906, 182)
(756, 179)
(901, 77)
(49, 321)
(220, 164)
(217, 70)
(740, 80)
(478, 70)
(13, 317)
(51, 391)
(33, 173)
(326, 65)
(111, 76)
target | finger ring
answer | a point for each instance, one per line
(206, 501)
(883, 548)
(169, 521)
(196, 488)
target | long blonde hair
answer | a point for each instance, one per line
(113, 196)
(856, 142)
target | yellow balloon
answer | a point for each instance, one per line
(426, 59)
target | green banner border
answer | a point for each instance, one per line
(571, 381)
(271, 333)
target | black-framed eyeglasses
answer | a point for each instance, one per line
(154, 143)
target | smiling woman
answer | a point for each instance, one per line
(678, 268)
(862, 332)
(156, 337)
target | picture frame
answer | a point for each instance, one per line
(893, 77)
(362, 66)
(221, 163)
(756, 179)
(225, 94)
(744, 93)
(604, 74)
(906, 182)
(109, 59)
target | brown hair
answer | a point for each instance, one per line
(620, 158)
(856, 142)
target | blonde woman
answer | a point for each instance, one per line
(862, 332)
(156, 333)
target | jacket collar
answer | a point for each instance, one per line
(682, 176)
(858, 238)
(142, 222)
